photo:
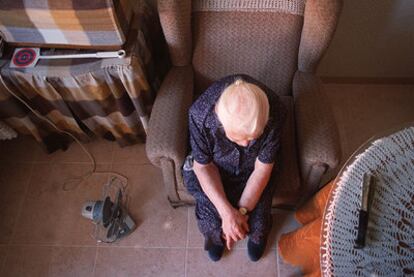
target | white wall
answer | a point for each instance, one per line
(374, 38)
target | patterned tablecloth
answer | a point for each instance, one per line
(389, 249)
(110, 98)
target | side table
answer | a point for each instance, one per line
(389, 249)
(324, 245)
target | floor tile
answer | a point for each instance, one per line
(140, 262)
(283, 222)
(3, 255)
(159, 225)
(72, 261)
(287, 270)
(40, 154)
(27, 261)
(134, 154)
(49, 261)
(20, 149)
(52, 215)
(234, 263)
(14, 180)
(101, 150)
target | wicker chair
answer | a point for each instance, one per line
(278, 42)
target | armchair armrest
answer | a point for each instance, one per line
(167, 138)
(317, 133)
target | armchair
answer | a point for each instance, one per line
(279, 43)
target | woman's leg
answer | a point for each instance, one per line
(208, 219)
(260, 223)
(260, 219)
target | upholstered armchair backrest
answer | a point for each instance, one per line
(267, 39)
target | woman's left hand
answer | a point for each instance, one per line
(235, 227)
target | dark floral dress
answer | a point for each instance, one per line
(235, 163)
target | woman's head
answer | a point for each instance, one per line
(243, 110)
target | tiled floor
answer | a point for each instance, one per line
(43, 234)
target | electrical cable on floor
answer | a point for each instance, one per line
(77, 180)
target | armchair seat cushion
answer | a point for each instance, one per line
(287, 177)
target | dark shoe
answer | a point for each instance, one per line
(215, 252)
(255, 251)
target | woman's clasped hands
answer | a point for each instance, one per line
(235, 227)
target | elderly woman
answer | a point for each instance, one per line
(235, 137)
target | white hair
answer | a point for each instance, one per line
(243, 109)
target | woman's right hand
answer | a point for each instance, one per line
(235, 226)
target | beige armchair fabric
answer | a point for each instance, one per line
(278, 42)
(167, 140)
(317, 135)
